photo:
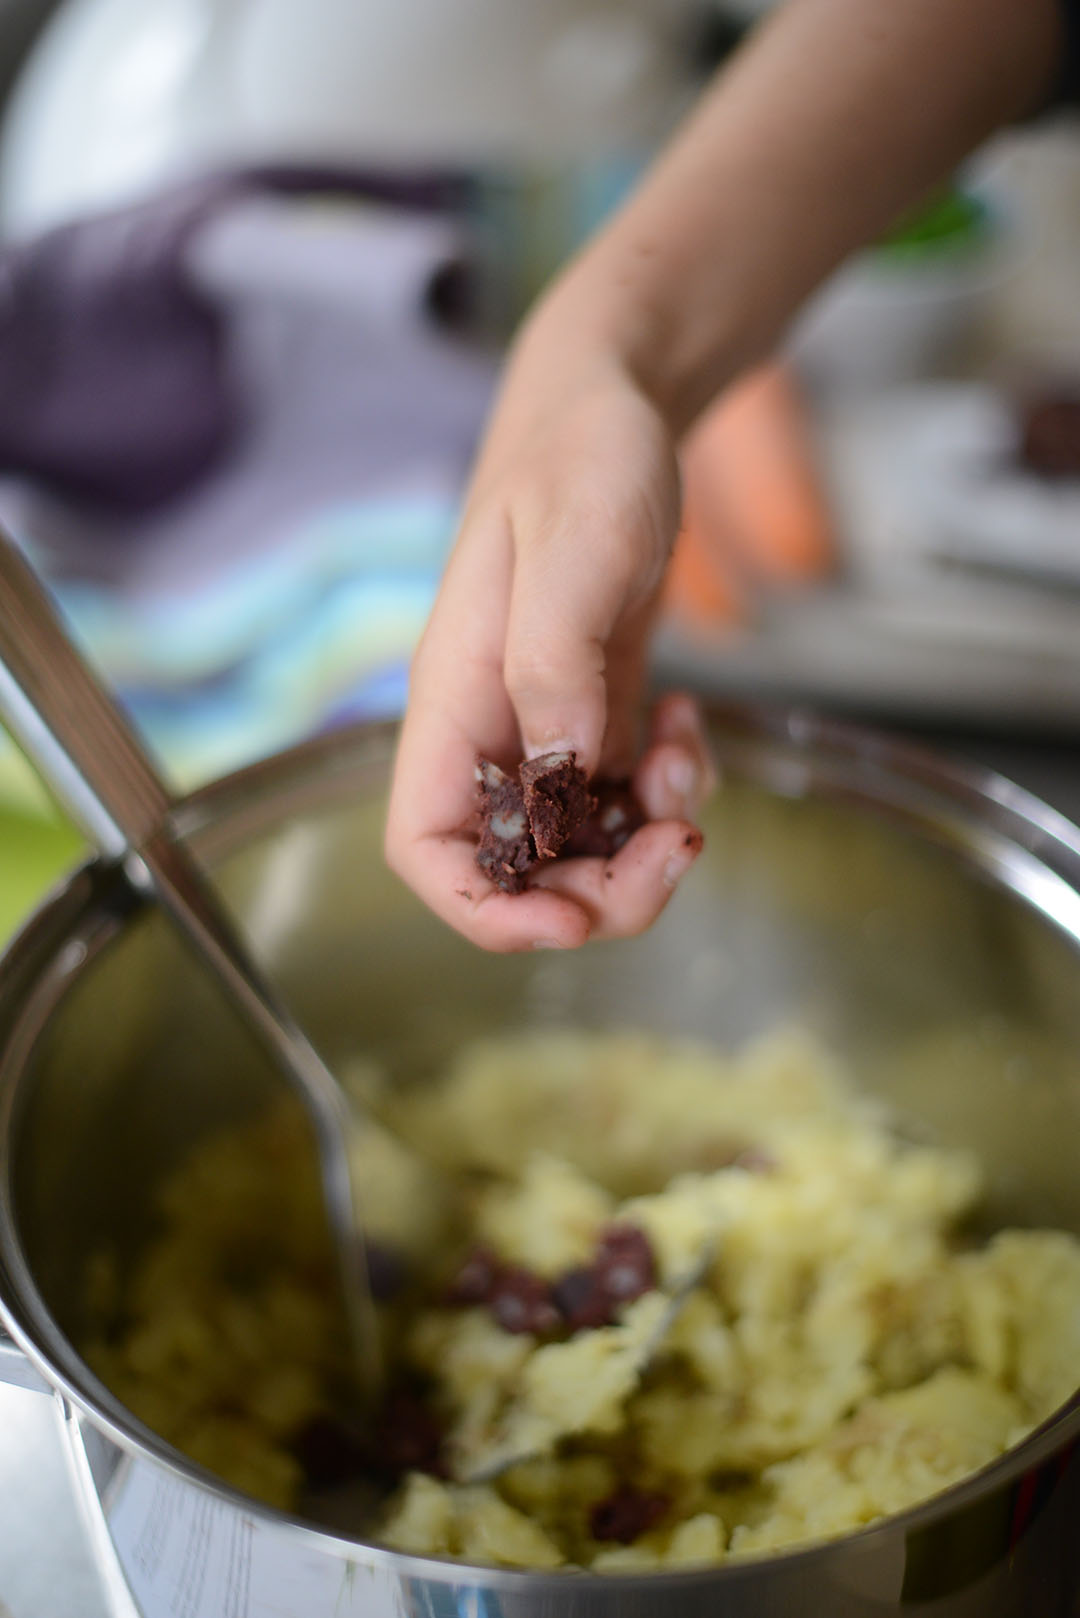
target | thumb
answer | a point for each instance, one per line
(571, 586)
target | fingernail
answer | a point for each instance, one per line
(548, 943)
(683, 777)
(554, 742)
(680, 859)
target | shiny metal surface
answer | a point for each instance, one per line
(16, 1370)
(88, 754)
(924, 920)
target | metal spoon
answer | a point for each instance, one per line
(89, 756)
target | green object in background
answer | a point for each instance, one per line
(952, 221)
(36, 845)
(35, 851)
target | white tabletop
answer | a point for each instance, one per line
(45, 1566)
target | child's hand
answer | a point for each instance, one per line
(538, 641)
(838, 115)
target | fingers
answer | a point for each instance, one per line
(623, 896)
(627, 659)
(433, 797)
(444, 875)
(536, 642)
(568, 902)
(676, 773)
(562, 612)
(457, 707)
(589, 554)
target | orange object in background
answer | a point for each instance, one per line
(700, 588)
(754, 508)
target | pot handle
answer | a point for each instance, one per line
(16, 1370)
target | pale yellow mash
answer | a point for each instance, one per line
(844, 1355)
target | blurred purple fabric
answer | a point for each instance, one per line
(115, 389)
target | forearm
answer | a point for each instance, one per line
(836, 116)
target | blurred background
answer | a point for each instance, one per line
(257, 265)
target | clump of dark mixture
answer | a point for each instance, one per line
(505, 851)
(557, 800)
(614, 820)
(549, 811)
(402, 1435)
(623, 1268)
(627, 1514)
(406, 1433)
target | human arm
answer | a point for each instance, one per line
(838, 115)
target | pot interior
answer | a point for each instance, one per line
(836, 893)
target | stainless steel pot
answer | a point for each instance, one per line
(925, 919)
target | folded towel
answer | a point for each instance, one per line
(282, 584)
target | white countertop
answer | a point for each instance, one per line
(45, 1566)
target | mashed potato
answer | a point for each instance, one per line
(840, 1356)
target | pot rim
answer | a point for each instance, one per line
(213, 815)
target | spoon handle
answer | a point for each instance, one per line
(91, 759)
(93, 762)
(89, 756)
(70, 728)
